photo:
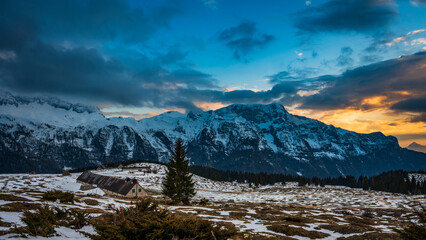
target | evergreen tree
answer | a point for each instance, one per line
(178, 184)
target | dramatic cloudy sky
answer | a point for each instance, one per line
(356, 64)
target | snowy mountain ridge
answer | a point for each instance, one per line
(48, 134)
(48, 110)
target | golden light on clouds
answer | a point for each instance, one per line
(206, 106)
(375, 101)
(380, 120)
(230, 89)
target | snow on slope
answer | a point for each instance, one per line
(250, 120)
(260, 137)
(229, 202)
(48, 110)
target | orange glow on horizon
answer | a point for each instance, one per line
(206, 106)
(380, 120)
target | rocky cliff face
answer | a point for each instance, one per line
(47, 135)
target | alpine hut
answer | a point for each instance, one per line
(128, 188)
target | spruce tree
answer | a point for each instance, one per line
(178, 184)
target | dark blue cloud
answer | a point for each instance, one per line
(86, 73)
(87, 21)
(388, 78)
(33, 33)
(347, 15)
(244, 38)
(345, 57)
(411, 105)
(83, 72)
(419, 118)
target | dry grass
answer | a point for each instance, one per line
(4, 224)
(347, 228)
(91, 202)
(250, 236)
(19, 206)
(10, 197)
(291, 219)
(373, 236)
(90, 210)
(238, 215)
(293, 231)
(360, 220)
(327, 217)
(4, 233)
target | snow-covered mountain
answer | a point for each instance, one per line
(47, 135)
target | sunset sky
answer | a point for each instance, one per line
(356, 64)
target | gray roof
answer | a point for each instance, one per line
(112, 184)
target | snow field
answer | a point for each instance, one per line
(329, 210)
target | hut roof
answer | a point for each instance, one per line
(112, 184)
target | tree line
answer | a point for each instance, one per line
(397, 181)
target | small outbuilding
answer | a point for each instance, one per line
(128, 188)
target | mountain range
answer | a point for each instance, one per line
(45, 134)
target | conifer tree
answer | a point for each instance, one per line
(178, 184)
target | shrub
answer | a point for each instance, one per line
(147, 221)
(415, 231)
(62, 196)
(66, 173)
(78, 219)
(204, 201)
(41, 222)
(368, 213)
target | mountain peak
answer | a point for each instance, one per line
(254, 112)
(417, 147)
(414, 144)
(273, 107)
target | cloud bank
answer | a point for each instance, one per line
(347, 15)
(244, 39)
